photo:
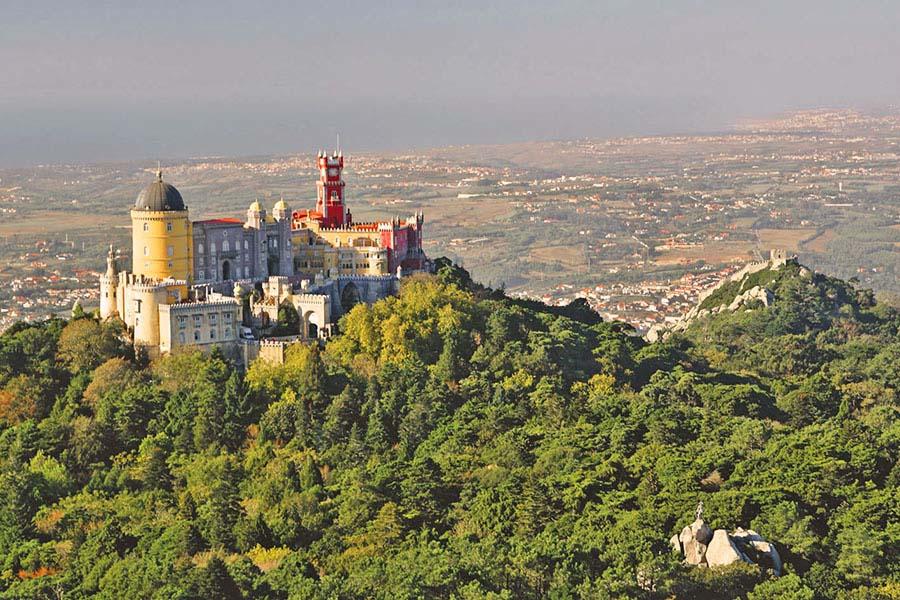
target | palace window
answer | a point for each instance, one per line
(212, 247)
(212, 334)
(170, 251)
(182, 323)
(196, 336)
(197, 320)
(200, 248)
(246, 245)
(225, 246)
(146, 251)
(146, 226)
(247, 272)
(181, 337)
(227, 317)
(169, 226)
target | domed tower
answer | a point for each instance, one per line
(256, 215)
(281, 210)
(108, 284)
(283, 250)
(161, 234)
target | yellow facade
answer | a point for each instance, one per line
(162, 245)
(342, 251)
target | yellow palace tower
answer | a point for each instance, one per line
(161, 273)
(161, 234)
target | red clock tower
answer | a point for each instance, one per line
(330, 202)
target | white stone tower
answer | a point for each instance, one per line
(108, 284)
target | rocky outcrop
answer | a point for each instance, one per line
(755, 293)
(699, 545)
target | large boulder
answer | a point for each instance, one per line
(723, 551)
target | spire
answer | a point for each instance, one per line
(158, 171)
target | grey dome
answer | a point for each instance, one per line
(159, 195)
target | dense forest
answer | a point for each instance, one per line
(455, 443)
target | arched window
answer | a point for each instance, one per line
(146, 251)
(200, 248)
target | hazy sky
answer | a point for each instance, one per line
(85, 80)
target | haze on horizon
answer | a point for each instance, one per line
(95, 81)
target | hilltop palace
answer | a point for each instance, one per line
(222, 282)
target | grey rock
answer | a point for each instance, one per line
(701, 531)
(694, 552)
(744, 536)
(686, 535)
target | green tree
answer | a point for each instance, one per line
(85, 344)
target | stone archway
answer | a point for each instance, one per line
(349, 297)
(310, 324)
(226, 270)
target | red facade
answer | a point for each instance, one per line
(402, 239)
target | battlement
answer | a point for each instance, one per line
(365, 277)
(310, 298)
(196, 304)
(280, 341)
(323, 160)
(144, 284)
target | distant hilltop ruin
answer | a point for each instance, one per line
(743, 288)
